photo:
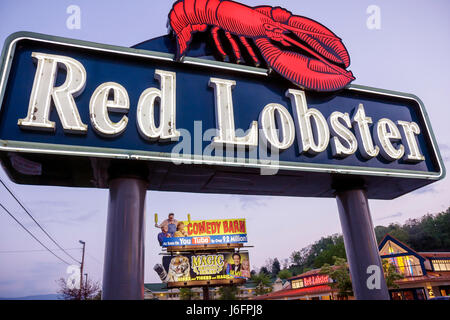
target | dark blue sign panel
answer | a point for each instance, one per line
(201, 125)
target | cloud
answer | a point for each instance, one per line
(57, 212)
(445, 151)
(426, 189)
(395, 215)
(247, 202)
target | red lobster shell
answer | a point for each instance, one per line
(319, 58)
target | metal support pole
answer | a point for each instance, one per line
(80, 293)
(205, 293)
(123, 273)
(361, 246)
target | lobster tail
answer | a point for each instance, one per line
(188, 16)
(304, 71)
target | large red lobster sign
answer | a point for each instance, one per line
(299, 49)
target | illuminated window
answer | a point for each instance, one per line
(441, 264)
(391, 248)
(297, 284)
(407, 265)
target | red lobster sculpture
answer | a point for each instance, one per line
(321, 67)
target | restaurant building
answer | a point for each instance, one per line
(426, 276)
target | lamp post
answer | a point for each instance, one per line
(81, 269)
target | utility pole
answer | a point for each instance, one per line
(86, 280)
(81, 270)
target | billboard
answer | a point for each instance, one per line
(190, 269)
(207, 232)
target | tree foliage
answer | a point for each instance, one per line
(263, 283)
(390, 274)
(90, 291)
(284, 274)
(340, 275)
(317, 254)
(186, 294)
(276, 267)
(428, 233)
(228, 292)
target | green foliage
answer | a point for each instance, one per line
(340, 275)
(186, 294)
(317, 254)
(391, 274)
(276, 267)
(263, 283)
(284, 274)
(228, 292)
(264, 270)
(428, 233)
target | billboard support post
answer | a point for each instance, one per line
(361, 246)
(205, 293)
(123, 274)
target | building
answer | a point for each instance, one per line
(159, 291)
(310, 285)
(426, 276)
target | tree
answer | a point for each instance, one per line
(90, 291)
(284, 274)
(228, 292)
(186, 294)
(264, 270)
(428, 233)
(263, 283)
(340, 275)
(390, 274)
(276, 267)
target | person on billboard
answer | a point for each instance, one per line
(245, 269)
(163, 234)
(180, 230)
(171, 224)
(234, 269)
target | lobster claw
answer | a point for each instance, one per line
(319, 38)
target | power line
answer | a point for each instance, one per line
(26, 251)
(25, 209)
(12, 216)
(93, 258)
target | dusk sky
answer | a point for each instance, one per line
(403, 48)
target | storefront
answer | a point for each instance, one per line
(310, 285)
(426, 276)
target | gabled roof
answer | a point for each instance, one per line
(295, 292)
(431, 255)
(388, 237)
(156, 287)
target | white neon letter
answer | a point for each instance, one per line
(275, 113)
(304, 117)
(167, 114)
(44, 91)
(101, 104)
(366, 147)
(341, 131)
(225, 117)
(387, 130)
(409, 133)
